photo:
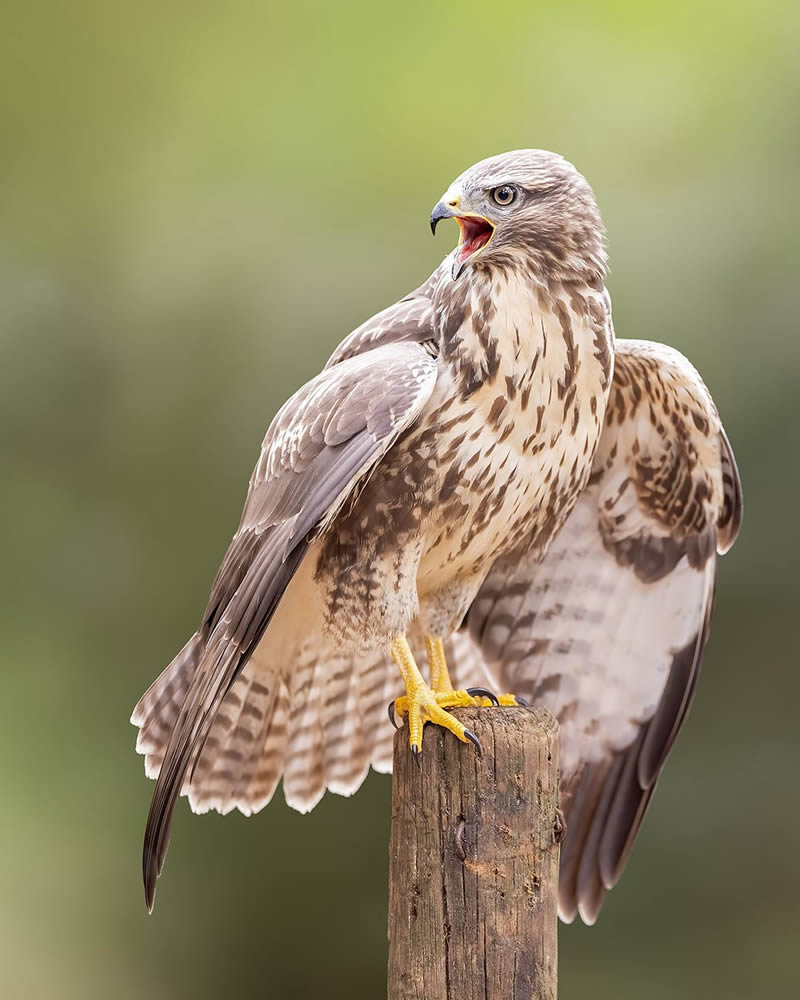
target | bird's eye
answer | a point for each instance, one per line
(504, 195)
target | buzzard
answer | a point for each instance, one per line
(482, 474)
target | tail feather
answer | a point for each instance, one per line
(213, 677)
(304, 771)
(251, 735)
(318, 723)
(157, 710)
(382, 682)
(225, 749)
(271, 758)
(346, 723)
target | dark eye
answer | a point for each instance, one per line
(504, 195)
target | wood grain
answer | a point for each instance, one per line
(474, 856)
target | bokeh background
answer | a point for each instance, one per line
(197, 201)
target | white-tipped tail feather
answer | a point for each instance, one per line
(320, 731)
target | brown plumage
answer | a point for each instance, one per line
(465, 457)
(608, 630)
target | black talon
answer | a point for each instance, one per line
(522, 702)
(416, 753)
(484, 693)
(392, 718)
(474, 741)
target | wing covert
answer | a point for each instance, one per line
(410, 319)
(319, 450)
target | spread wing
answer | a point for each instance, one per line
(608, 631)
(320, 448)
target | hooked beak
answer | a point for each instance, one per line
(442, 211)
(476, 231)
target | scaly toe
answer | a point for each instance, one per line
(429, 706)
(456, 699)
(477, 697)
(484, 693)
(398, 706)
(444, 719)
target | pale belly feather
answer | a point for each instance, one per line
(515, 477)
(478, 475)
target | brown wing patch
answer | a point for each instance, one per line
(731, 518)
(318, 450)
(608, 630)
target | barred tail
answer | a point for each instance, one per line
(319, 723)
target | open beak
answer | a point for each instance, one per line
(476, 232)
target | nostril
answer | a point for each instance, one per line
(453, 203)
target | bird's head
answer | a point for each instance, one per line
(530, 209)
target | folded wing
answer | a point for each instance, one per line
(320, 449)
(608, 631)
(409, 319)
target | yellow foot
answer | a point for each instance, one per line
(422, 703)
(472, 697)
(484, 698)
(440, 678)
(425, 705)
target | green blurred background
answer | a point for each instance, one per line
(197, 201)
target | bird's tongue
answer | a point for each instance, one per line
(475, 233)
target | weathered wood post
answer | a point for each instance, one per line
(473, 870)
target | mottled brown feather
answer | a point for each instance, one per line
(487, 475)
(539, 625)
(308, 468)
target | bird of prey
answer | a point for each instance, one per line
(482, 474)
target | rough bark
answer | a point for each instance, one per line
(473, 879)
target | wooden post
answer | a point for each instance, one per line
(473, 871)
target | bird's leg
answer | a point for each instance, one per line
(427, 704)
(422, 705)
(441, 683)
(437, 661)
